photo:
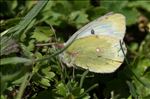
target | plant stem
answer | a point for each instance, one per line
(27, 78)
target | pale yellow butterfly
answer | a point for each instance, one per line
(97, 45)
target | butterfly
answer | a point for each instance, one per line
(98, 46)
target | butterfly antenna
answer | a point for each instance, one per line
(121, 43)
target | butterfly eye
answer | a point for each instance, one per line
(92, 31)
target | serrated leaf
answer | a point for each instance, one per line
(53, 18)
(78, 18)
(62, 89)
(63, 7)
(42, 34)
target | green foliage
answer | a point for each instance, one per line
(30, 68)
(42, 34)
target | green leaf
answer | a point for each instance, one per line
(9, 23)
(26, 51)
(53, 18)
(132, 90)
(140, 4)
(141, 90)
(133, 46)
(44, 82)
(14, 60)
(31, 45)
(42, 34)
(62, 7)
(114, 5)
(131, 15)
(48, 74)
(3, 87)
(80, 4)
(78, 18)
(143, 64)
(144, 48)
(95, 12)
(62, 89)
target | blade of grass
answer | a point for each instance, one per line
(89, 89)
(14, 60)
(30, 16)
(15, 75)
(83, 77)
(26, 20)
(132, 90)
(10, 30)
(27, 78)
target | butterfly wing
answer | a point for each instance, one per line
(97, 46)
(109, 24)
